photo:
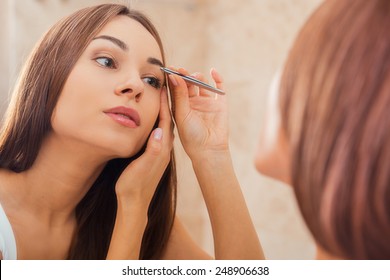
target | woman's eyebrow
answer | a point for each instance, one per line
(122, 45)
(155, 61)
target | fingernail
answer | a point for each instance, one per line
(195, 75)
(173, 80)
(157, 133)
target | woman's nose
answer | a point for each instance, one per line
(132, 87)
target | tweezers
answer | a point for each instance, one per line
(194, 81)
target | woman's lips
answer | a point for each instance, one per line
(125, 116)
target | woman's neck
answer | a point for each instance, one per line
(322, 254)
(60, 177)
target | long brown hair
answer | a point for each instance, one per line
(335, 101)
(27, 122)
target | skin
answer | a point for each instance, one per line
(43, 198)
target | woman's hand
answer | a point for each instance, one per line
(136, 186)
(201, 116)
(202, 122)
(139, 180)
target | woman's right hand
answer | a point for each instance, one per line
(201, 116)
(202, 122)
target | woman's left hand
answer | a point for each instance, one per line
(137, 185)
(139, 180)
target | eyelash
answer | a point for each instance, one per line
(154, 82)
(107, 59)
(111, 64)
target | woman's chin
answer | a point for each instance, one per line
(125, 154)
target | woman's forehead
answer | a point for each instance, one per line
(129, 34)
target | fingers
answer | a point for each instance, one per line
(217, 79)
(180, 96)
(140, 178)
(184, 95)
(149, 167)
(165, 118)
(157, 142)
(193, 90)
(202, 91)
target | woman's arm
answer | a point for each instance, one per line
(202, 123)
(234, 234)
(181, 246)
(136, 186)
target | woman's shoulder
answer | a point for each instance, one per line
(6, 177)
(7, 237)
(8, 189)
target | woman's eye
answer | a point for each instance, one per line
(106, 62)
(154, 82)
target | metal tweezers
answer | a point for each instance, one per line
(194, 81)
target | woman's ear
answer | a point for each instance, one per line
(273, 156)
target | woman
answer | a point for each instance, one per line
(328, 133)
(87, 170)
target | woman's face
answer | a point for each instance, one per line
(111, 98)
(272, 157)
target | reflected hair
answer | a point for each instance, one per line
(335, 100)
(28, 120)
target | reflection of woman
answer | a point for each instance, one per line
(80, 179)
(75, 109)
(332, 142)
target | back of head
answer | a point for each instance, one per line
(335, 100)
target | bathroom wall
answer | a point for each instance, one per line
(247, 41)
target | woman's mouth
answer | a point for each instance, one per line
(125, 116)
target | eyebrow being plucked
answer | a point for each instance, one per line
(114, 40)
(155, 61)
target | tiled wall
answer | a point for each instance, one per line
(247, 41)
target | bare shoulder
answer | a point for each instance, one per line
(5, 196)
(7, 188)
(181, 246)
(6, 177)
(4, 182)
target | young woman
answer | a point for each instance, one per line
(86, 161)
(329, 130)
